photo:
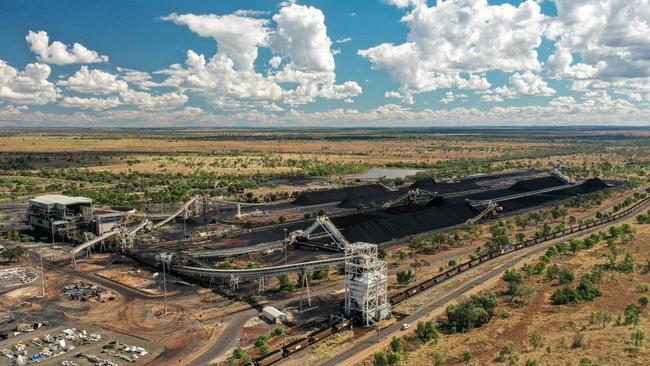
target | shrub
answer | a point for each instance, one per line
(380, 359)
(632, 314)
(587, 290)
(507, 353)
(397, 344)
(393, 358)
(566, 276)
(405, 277)
(564, 295)
(238, 353)
(427, 331)
(470, 313)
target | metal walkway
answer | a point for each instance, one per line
(258, 272)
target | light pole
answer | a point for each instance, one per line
(164, 284)
(184, 225)
(40, 255)
(285, 244)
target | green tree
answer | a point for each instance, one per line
(286, 285)
(380, 359)
(397, 344)
(575, 245)
(393, 358)
(514, 280)
(566, 276)
(427, 331)
(405, 277)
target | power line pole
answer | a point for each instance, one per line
(164, 285)
(285, 245)
(40, 254)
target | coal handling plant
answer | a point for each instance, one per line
(304, 246)
(69, 219)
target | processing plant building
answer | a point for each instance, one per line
(60, 216)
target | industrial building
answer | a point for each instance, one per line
(273, 315)
(60, 216)
(69, 218)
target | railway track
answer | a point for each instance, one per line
(464, 267)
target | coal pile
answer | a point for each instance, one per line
(589, 186)
(484, 178)
(593, 185)
(438, 201)
(444, 188)
(401, 221)
(362, 199)
(338, 195)
(536, 184)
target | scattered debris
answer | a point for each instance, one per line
(96, 360)
(83, 291)
(48, 346)
(26, 328)
(17, 274)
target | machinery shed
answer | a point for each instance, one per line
(273, 315)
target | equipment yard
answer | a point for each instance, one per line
(204, 252)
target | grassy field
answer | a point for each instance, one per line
(530, 328)
(154, 166)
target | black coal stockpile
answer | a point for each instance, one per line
(483, 178)
(536, 184)
(593, 185)
(588, 186)
(363, 199)
(438, 201)
(400, 221)
(338, 195)
(443, 188)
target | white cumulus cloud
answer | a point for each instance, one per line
(58, 53)
(97, 104)
(454, 37)
(30, 86)
(94, 81)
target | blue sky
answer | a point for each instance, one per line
(324, 63)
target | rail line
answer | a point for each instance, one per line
(465, 266)
(394, 299)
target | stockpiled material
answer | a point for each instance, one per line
(357, 199)
(438, 201)
(443, 188)
(401, 221)
(482, 178)
(593, 185)
(338, 195)
(536, 184)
